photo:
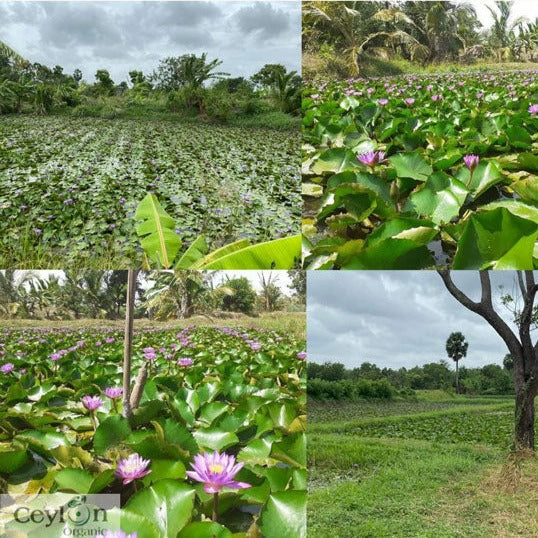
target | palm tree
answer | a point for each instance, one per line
(14, 295)
(362, 25)
(195, 71)
(502, 34)
(346, 21)
(286, 91)
(444, 28)
(179, 294)
(456, 348)
(270, 292)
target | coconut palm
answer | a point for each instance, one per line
(177, 295)
(286, 91)
(502, 35)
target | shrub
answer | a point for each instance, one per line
(217, 104)
(322, 389)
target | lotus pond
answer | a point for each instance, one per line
(417, 172)
(69, 187)
(237, 392)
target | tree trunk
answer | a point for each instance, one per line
(524, 423)
(127, 352)
(524, 353)
(457, 378)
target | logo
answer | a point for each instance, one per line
(59, 514)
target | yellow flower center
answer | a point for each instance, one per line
(216, 468)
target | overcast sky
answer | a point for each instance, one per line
(521, 8)
(397, 318)
(121, 36)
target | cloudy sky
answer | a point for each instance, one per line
(397, 318)
(521, 8)
(121, 36)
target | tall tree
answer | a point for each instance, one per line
(456, 348)
(520, 346)
(176, 72)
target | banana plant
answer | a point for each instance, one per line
(162, 246)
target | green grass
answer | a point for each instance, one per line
(157, 110)
(426, 469)
(292, 323)
(333, 66)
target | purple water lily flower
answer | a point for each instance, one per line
(471, 161)
(132, 468)
(7, 368)
(371, 158)
(113, 392)
(533, 109)
(92, 402)
(409, 101)
(383, 102)
(216, 471)
(185, 362)
(301, 355)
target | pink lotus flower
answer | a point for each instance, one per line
(132, 468)
(113, 392)
(185, 362)
(371, 158)
(533, 109)
(7, 368)
(471, 161)
(216, 471)
(92, 402)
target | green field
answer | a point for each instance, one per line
(70, 186)
(429, 469)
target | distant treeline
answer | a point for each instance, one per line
(332, 380)
(186, 84)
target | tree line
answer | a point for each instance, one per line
(187, 84)
(349, 38)
(491, 379)
(64, 295)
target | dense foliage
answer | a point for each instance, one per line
(332, 380)
(422, 171)
(343, 39)
(159, 295)
(208, 389)
(187, 85)
(225, 182)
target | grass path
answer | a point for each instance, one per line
(381, 486)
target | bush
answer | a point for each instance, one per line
(186, 98)
(217, 104)
(322, 389)
(87, 110)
